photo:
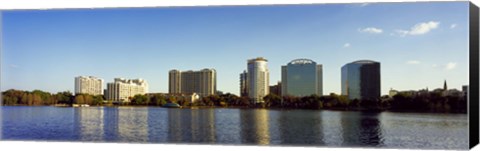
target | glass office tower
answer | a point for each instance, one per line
(361, 80)
(302, 77)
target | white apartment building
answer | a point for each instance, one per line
(121, 90)
(88, 85)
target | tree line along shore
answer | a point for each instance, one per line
(432, 102)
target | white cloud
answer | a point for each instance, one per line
(346, 45)
(402, 33)
(450, 66)
(413, 62)
(453, 26)
(371, 30)
(419, 29)
(423, 28)
(434, 65)
(364, 4)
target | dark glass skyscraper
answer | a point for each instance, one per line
(243, 84)
(361, 80)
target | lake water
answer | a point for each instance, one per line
(236, 126)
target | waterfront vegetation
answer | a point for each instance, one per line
(401, 102)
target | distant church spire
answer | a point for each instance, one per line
(445, 85)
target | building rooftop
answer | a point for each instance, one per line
(364, 62)
(302, 61)
(204, 69)
(257, 59)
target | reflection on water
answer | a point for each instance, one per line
(426, 130)
(254, 126)
(89, 123)
(110, 126)
(132, 124)
(300, 127)
(157, 125)
(191, 126)
(37, 123)
(361, 129)
(236, 126)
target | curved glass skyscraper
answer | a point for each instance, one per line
(302, 77)
(361, 80)
(257, 79)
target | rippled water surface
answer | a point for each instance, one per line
(236, 126)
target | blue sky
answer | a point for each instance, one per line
(418, 44)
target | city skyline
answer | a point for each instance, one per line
(424, 45)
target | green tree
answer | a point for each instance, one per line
(24, 99)
(12, 97)
(30, 99)
(139, 99)
(37, 99)
(244, 101)
(230, 99)
(88, 99)
(172, 99)
(158, 100)
(97, 100)
(272, 100)
(79, 99)
(313, 102)
(65, 97)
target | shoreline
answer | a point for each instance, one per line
(240, 107)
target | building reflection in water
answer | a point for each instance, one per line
(132, 124)
(110, 125)
(157, 124)
(300, 127)
(361, 129)
(191, 126)
(227, 126)
(255, 126)
(89, 123)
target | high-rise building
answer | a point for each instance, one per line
(257, 79)
(276, 89)
(361, 80)
(243, 84)
(88, 85)
(302, 77)
(203, 82)
(122, 89)
(174, 79)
